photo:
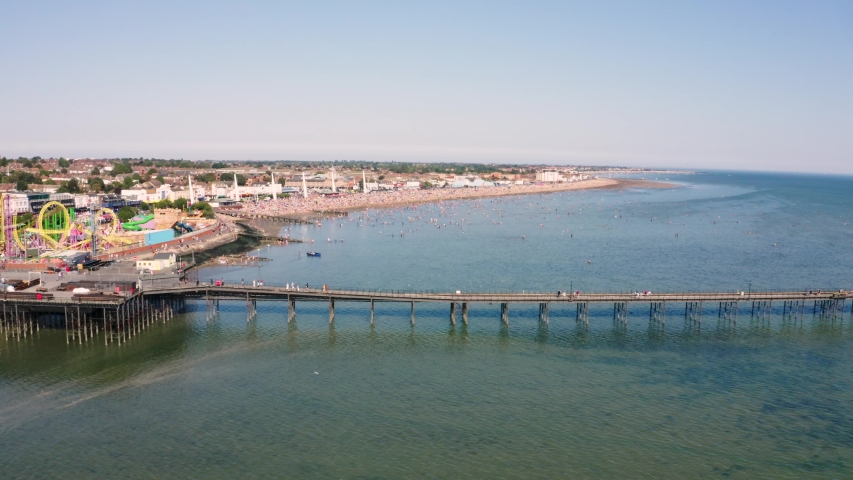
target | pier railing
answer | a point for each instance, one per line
(343, 293)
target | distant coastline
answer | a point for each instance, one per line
(316, 208)
(494, 192)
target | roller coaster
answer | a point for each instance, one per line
(56, 229)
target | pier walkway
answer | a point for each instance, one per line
(126, 312)
(794, 303)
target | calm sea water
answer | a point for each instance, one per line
(308, 400)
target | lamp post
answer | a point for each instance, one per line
(749, 292)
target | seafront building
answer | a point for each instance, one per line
(129, 182)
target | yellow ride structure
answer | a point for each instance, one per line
(56, 229)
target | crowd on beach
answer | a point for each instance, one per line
(297, 204)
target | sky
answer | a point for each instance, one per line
(755, 85)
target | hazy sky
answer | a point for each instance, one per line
(763, 85)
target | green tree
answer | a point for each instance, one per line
(205, 207)
(152, 171)
(165, 203)
(209, 177)
(63, 163)
(126, 213)
(21, 186)
(143, 206)
(219, 165)
(161, 179)
(25, 218)
(229, 178)
(95, 171)
(128, 182)
(96, 184)
(180, 203)
(122, 168)
(71, 186)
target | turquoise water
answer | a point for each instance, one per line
(755, 399)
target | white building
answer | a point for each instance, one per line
(549, 176)
(19, 203)
(461, 182)
(160, 262)
(148, 195)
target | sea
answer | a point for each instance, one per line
(240, 397)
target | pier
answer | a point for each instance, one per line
(122, 315)
(727, 305)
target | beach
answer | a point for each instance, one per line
(296, 205)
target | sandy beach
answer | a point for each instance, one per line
(298, 206)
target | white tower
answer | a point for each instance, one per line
(190, 201)
(334, 189)
(304, 186)
(236, 194)
(363, 182)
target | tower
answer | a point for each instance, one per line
(304, 186)
(190, 201)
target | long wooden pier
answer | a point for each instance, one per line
(123, 316)
(795, 304)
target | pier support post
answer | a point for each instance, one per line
(331, 310)
(453, 313)
(465, 313)
(413, 314)
(620, 312)
(582, 312)
(372, 313)
(505, 313)
(544, 311)
(291, 308)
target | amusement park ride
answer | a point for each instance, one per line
(56, 229)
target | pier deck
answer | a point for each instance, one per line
(122, 316)
(315, 294)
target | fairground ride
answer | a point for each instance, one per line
(57, 229)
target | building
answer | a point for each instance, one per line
(18, 203)
(160, 262)
(549, 176)
(473, 182)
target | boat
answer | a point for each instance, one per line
(313, 254)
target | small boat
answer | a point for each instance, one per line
(313, 254)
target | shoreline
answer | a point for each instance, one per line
(249, 224)
(484, 192)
